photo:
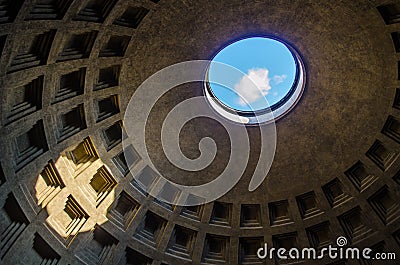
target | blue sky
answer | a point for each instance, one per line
(266, 62)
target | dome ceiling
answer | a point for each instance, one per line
(70, 67)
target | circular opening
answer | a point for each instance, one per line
(271, 81)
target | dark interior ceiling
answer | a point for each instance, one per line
(336, 168)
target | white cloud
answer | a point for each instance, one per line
(279, 79)
(253, 86)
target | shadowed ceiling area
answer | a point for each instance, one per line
(68, 69)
